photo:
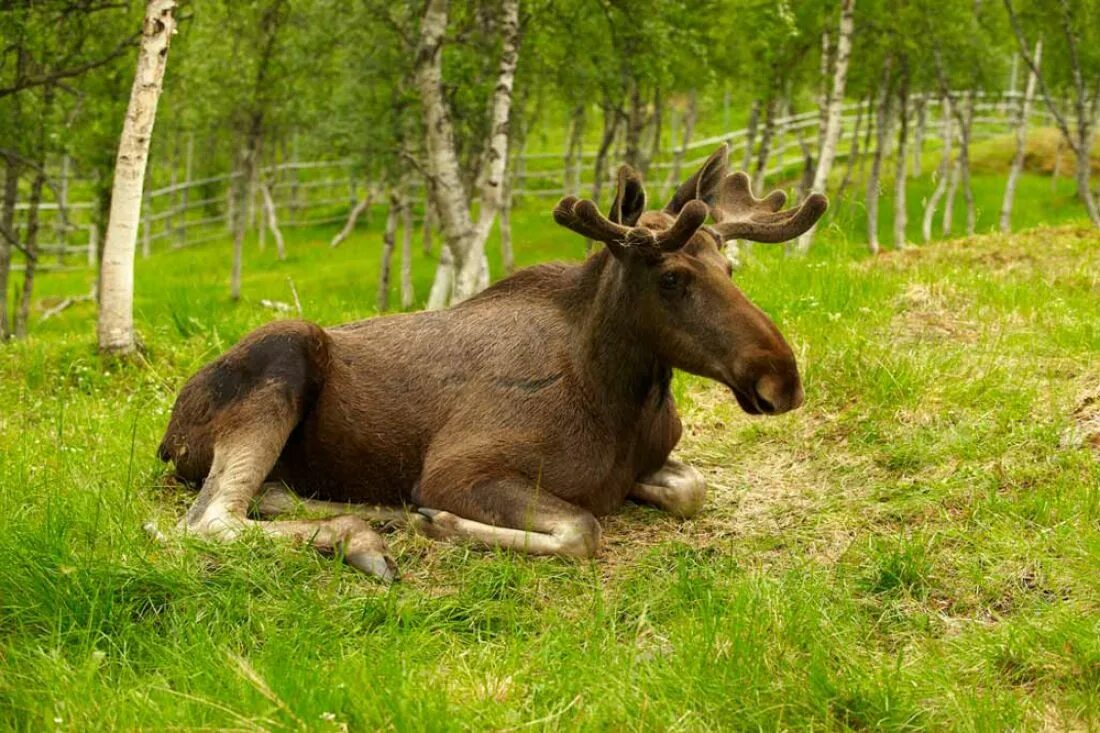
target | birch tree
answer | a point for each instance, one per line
(833, 115)
(901, 158)
(464, 237)
(7, 235)
(1080, 78)
(883, 116)
(389, 239)
(115, 326)
(407, 293)
(1021, 141)
(943, 171)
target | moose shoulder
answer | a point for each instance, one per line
(513, 419)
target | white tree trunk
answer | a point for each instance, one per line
(473, 273)
(854, 152)
(426, 230)
(407, 294)
(389, 238)
(239, 192)
(882, 132)
(353, 219)
(964, 163)
(1084, 162)
(507, 253)
(7, 233)
(948, 222)
(690, 115)
(1021, 140)
(444, 174)
(463, 237)
(943, 172)
(765, 150)
(115, 325)
(444, 280)
(921, 101)
(901, 161)
(833, 118)
(750, 134)
(571, 178)
(30, 247)
(273, 220)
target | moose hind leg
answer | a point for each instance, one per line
(676, 488)
(220, 511)
(248, 436)
(511, 513)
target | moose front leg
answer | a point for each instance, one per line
(676, 488)
(511, 513)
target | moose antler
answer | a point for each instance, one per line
(740, 215)
(583, 217)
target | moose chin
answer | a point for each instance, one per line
(513, 419)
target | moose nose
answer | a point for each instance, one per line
(775, 395)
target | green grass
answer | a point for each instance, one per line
(916, 548)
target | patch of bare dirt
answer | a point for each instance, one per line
(1085, 431)
(931, 312)
(774, 488)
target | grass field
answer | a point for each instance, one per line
(918, 547)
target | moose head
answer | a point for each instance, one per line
(671, 263)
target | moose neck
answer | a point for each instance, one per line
(619, 361)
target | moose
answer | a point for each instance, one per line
(513, 419)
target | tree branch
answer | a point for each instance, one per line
(1084, 126)
(61, 210)
(1021, 41)
(28, 82)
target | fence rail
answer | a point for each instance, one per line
(320, 192)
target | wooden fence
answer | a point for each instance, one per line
(317, 193)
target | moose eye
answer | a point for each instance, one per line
(670, 281)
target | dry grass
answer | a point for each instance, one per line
(1086, 420)
(1044, 153)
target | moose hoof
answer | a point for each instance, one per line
(371, 563)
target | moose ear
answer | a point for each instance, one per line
(704, 184)
(629, 203)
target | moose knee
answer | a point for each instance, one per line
(580, 536)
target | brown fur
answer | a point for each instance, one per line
(548, 390)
